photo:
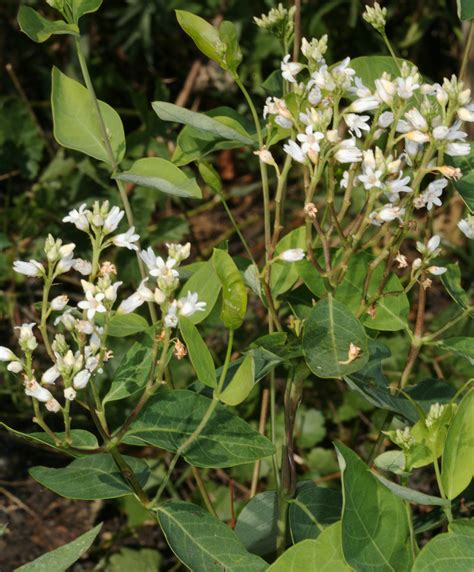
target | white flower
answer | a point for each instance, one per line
(437, 270)
(364, 104)
(466, 226)
(416, 119)
(466, 113)
(34, 389)
(441, 132)
(190, 305)
(406, 86)
(53, 405)
(357, 123)
(290, 69)
(93, 303)
(385, 119)
(84, 267)
(396, 186)
(359, 88)
(81, 379)
(126, 239)
(156, 265)
(143, 294)
(348, 152)
(458, 149)
(15, 366)
(70, 394)
(431, 196)
(344, 180)
(390, 212)
(111, 291)
(385, 89)
(27, 338)
(31, 268)
(78, 218)
(433, 244)
(50, 375)
(180, 252)
(315, 49)
(113, 219)
(295, 151)
(292, 255)
(67, 319)
(371, 179)
(6, 354)
(84, 327)
(171, 318)
(159, 296)
(65, 264)
(265, 156)
(59, 303)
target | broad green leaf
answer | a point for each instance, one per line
(234, 292)
(210, 176)
(451, 280)
(81, 439)
(391, 310)
(218, 128)
(204, 35)
(328, 334)
(257, 524)
(285, 274)
(241, 384)
(458, 454)
(92, 477)
(321, 555)
(461, 346)
(76, 124)
(163, 176)
(312, 510)
(63, 558)
(131, 375)
(199, 354)
(123, 325)
(412, 495)
(232, 53)
(370, 68)
(202, 542)
(309, 427)
(206, 284)
(465, 9)
(452, 551)
(39, 29)
(392, 461)
(465, 185)
(81, 7)
(375, 532)
(130, 560)
(170, 417)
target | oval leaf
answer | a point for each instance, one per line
(202, 542)
(199, 354)
(257, 525)
(329, 332)
(76, 124)
(234, 292)
(39, 29)
(206, 284)
(92, 477)
(204, 35)
(123, 325)
(241, 384)
(81, 7)
(163, 176)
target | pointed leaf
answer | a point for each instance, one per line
(204, 35)
(76, 124)
(411, 495)
(234, 292)
(202, 542)
(123, 325)
(81, 7)
(91, 477)
(163, 176)
(199, 354)
(257, 524)
(170, 417)
(63, 557)
(329, 332)
(458, 454)
(452, 282)
(461, 346)
(39, 29)
(241, 384)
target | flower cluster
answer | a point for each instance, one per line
(78, 349)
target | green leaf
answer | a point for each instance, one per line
(322, 555)
(458, 454)
(81, 7)
(170, 417)
(452, 551)
(370, 68)
(92, 477)
(241, 384)
(39, 29)
(132, 373)
(392, 461)
(451, 280)
(257, 524)
(205, 36)
(465, 9)
(391, 310)
(328, 333)
(411, 495)
(206, 284)
(234, 292)
(312, 510)
(123, 325)
(128, 559)
(465, 185)
(199, 354)
(309, 427)
(232, 54)
(63, 557)
(76, 124)
(285, 274)
(218, 128)
(461, 346)
(163, 176)
(375, 532)
(210, 176)
(202, 542)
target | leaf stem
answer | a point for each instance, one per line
(467, 50)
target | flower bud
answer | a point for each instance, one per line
(70, 394)
(81, 379)
(50, 375)
(6, 354)
(292, 255)
(15, 366)
(59, 303)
